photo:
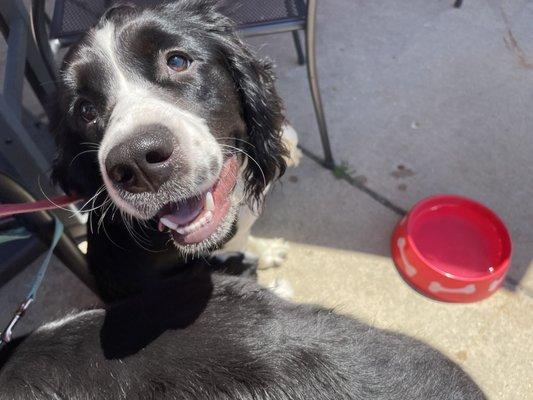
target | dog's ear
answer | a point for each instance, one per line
(262, 111)
(75, 166)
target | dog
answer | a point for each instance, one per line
(173, 130)
(203, 335)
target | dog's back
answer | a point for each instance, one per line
(220, 337)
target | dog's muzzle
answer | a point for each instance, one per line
(150, 161)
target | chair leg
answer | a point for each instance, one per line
(38, 20)
(313, 83)
(298, 45)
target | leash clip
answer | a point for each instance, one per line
(7, 334)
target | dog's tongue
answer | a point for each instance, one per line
(186, 212)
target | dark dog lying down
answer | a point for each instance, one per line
(222, 337)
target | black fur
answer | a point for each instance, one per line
(209, 337)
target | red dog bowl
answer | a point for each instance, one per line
(452, 248)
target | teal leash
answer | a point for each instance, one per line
(7, 333)
(15, 234)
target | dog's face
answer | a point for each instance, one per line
(167, 111)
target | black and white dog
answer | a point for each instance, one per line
(207, 336)
(167, 99)
(173, 130)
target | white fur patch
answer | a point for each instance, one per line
(271, 252)
(290, 139)
(282, 288)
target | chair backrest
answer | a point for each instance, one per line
(18, 147)
(73, 17)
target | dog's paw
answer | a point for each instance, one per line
(282, 288)
(271, 252)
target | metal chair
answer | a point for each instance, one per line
(71, 18)
(20, 154)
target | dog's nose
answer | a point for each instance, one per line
(143, 162)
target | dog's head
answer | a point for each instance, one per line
(167, 110)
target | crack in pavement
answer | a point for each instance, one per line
(356, 183)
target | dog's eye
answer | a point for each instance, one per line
(88, 111)
(178, 63)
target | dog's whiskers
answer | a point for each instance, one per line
(138, 238)
(106, 200)
(238, 139)
(90, 200)
(103, 215)
(250, 158)
(49, 199)
(82, 153)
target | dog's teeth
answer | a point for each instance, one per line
(181, 231)
(209, 202)
(168, 223)
(205, 220)
(192, 228)
(185, 230)
(197, 225)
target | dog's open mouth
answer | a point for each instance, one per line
(195, 219)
